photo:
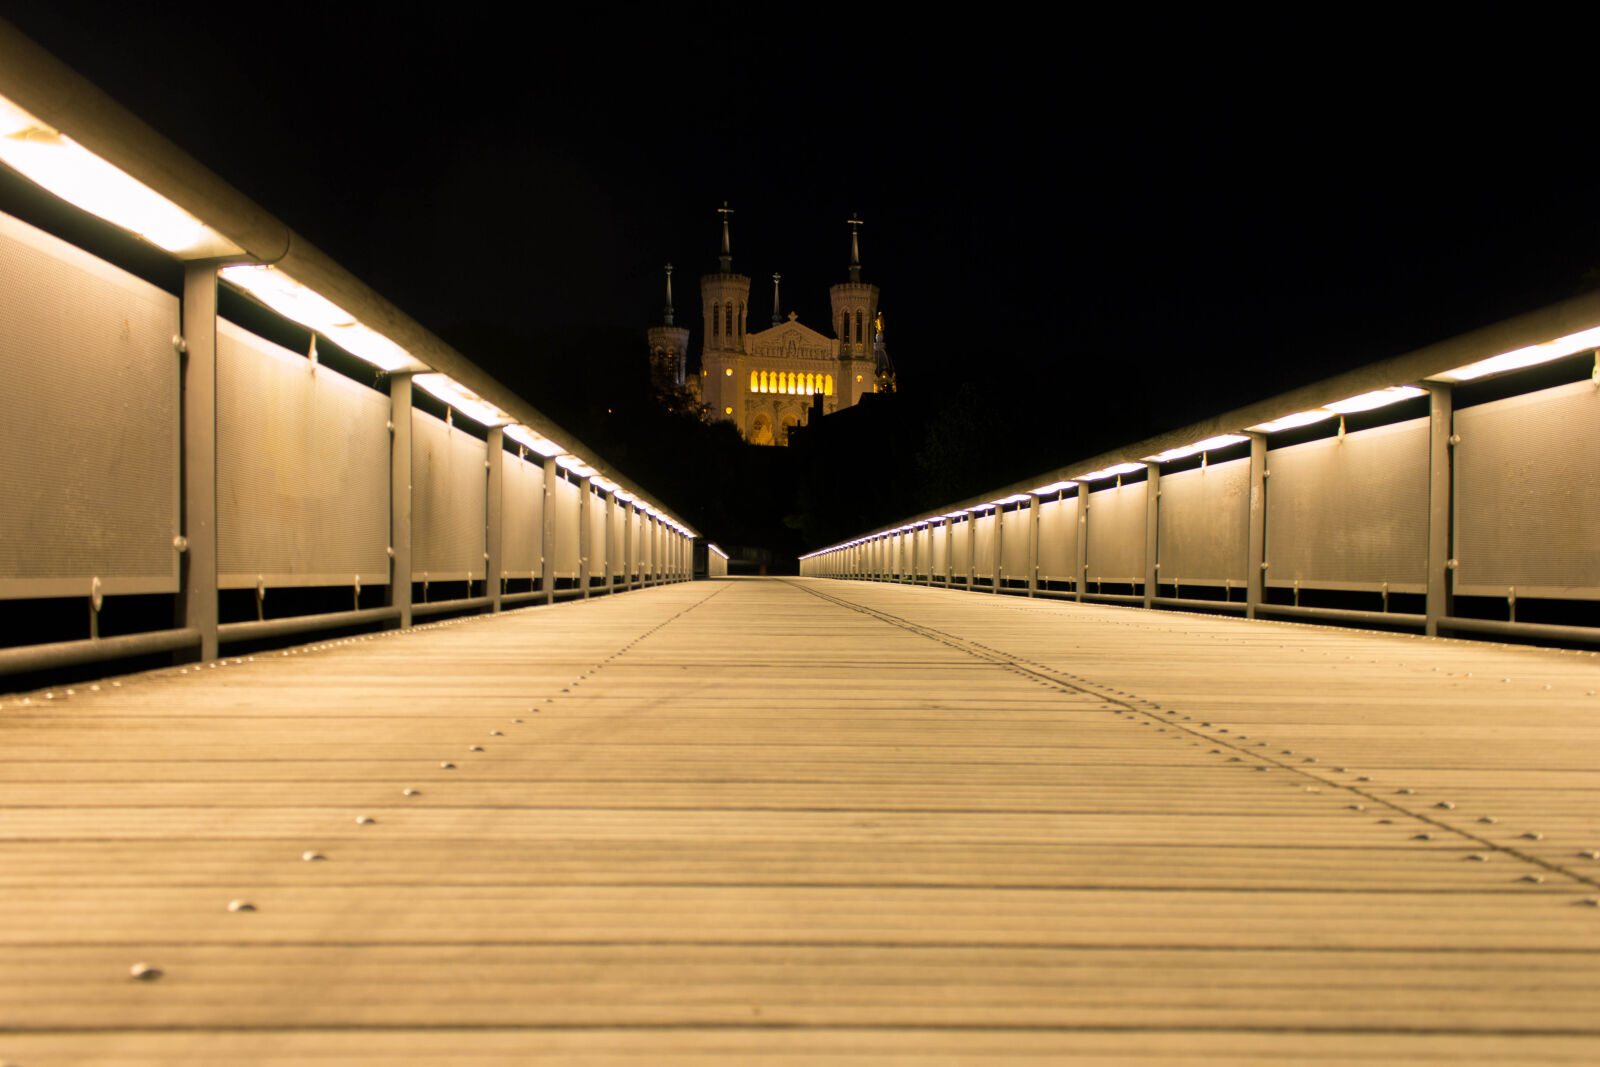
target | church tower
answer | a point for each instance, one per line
(669, 355)
(855, 311)
(724, 301)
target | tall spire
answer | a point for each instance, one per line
(726, 256)
(776, 307)
(667, 321)
(855, 250)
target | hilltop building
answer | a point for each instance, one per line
(770, 380)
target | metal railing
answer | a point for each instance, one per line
(1466, 482)
(217, 461)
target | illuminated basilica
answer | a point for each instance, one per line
(771, 380)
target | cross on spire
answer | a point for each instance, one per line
(775, 312)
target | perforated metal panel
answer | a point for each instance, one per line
(1058, 539)
(1116, 533)
(302, 470)
(521, 517)
(1351, 514)
(89, 425)
(1203, 535)
(597, 535)
(1527, 503)
(1014, 544)
(983, 566)
(449, 485)
(566, 522)
(640, 549)
(960, 550)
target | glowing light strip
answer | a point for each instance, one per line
(542, 445)
(575, 465)
(1376, 399)
(1290, 422)
(294, 301)
(56, 162)
(464, 400)
(1208, 445)
(1530, 356)
(1112, 471)
(717, 550)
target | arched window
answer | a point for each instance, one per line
(727, 322)
(811, 384)
(753, 381)
(716, 321)
(827, 385)
(741, 320)
(858, 325)
(844, 325)
(789, 385)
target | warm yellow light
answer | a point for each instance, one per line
(858, 377)
(727, 411)
(1290, 422)
(294, 301)
(542, 445)
(462, 399)
(67, 169)
(575, 465)
(1376, 399)
(729, 372)
(1530, 356)
(1209, 444)
(1115, 469)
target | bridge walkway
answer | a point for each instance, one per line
(799, 821)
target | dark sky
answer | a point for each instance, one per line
(1168, 217)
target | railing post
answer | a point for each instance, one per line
(1152, 562)
(1081, 579)
(995, 556)
(199, 560)
(1440, 417)
(493, 555)
(1033, 544)
(1255, 564)
(585, 533)
(547, 534)
(400, 495)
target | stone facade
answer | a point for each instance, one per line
(769, 381)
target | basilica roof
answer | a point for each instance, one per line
(791, 340)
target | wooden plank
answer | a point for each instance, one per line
(791, 821)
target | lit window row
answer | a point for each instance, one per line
(788, 382)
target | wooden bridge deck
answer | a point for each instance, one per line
(795, 821)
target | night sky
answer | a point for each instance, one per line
(1121, 223)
